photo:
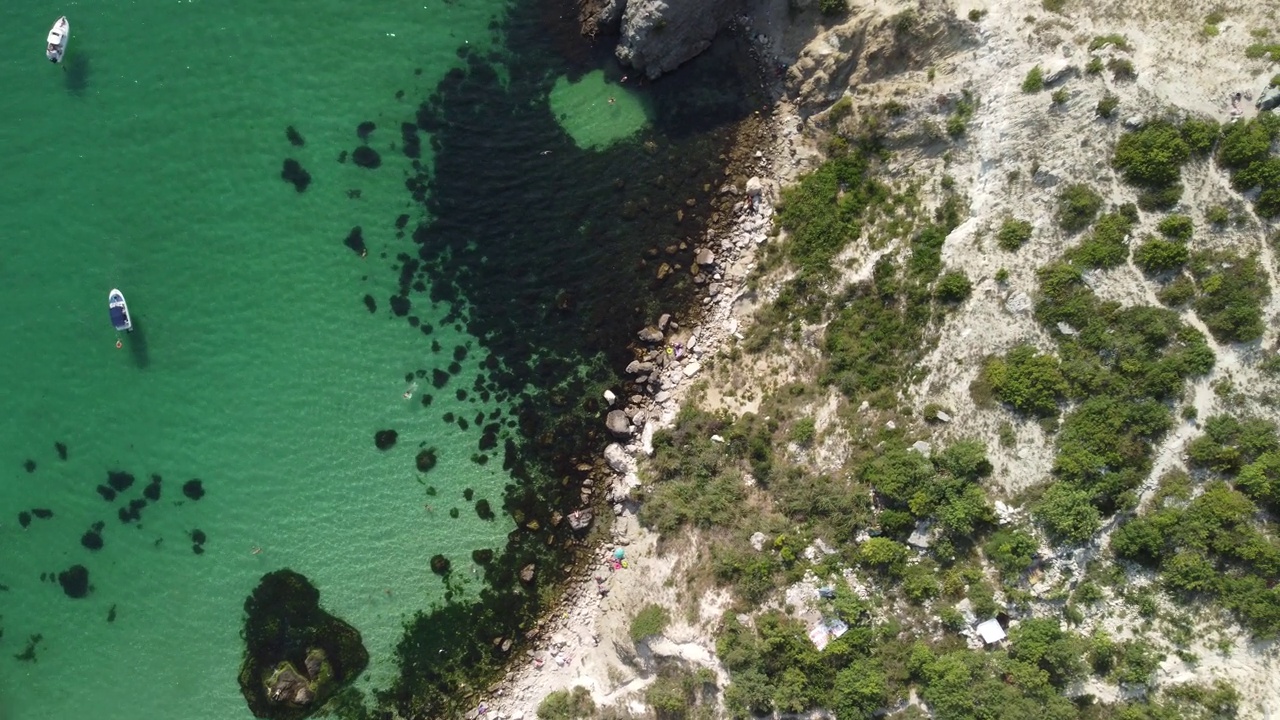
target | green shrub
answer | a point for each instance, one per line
(1094, 66)
(842, 109)
(1153, 156)
(1157, 256)
(976, 14)
(1107, 105)
(1034, 81)
(651, 620)
(1257, 50)
(567, 705)
(833, 7)
(1029, 382)
(1067, 514)
(1121, 69)
(1178, 292)
(1060, 96)
(959, 120)
(1217, 215)
(822, 212)
(1056, 6)
(1119, 41)
(1200, 135)
(1078, 205)
(1105, 247)
(953, 287)
(804, 432)
(1011, 551)
(1230, 294)
(1175, 227)
(1013, 234)
(884, 555)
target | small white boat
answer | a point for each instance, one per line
(56, 43)
(120, 319)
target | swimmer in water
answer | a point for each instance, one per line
(545, 152)
(409, 393)
(255, 550)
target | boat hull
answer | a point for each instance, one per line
(121, 320)
(55, 45)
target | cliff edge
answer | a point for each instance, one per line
(657, 36)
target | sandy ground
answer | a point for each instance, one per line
(1017, 152)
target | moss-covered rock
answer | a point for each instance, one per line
(297, 655)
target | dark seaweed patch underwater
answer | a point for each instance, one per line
(543, 256)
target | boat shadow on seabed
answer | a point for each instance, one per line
(75, 71)
(137, 341)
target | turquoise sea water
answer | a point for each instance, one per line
(151, 162)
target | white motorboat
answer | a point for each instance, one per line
(56, 43)
(120, 318)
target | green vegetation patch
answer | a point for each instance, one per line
(1034, 81)
(1230, 291)
(651, 620)
(1245, 150)
(1152, 157)
(1175, 227)
(1156, 256)
(1122, 365)
(875, 339)
(1120, 42)
(1078, 205)
(1105, 246)
(1013, 234)
(567, 705)
(823, 211)
(1216, 545)
(1027, 381)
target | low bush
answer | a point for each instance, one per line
(953, 287)
(1078, 205)
(1013, 234)
(1230, 295)
(1034, 81)
(1213, 546)
(1011, 551)
(1094, 66)
(1121, 69)
(1151, 157)
(1107, 105)
(822, 212)
(1157, 256)
(567, 705)
(1122, 365)
(1120, 42)
(1029, 382)
(1245, 149)
(1175, 227)
(651, 620)
(1105, 246)
(833, 8)
(1177, 292)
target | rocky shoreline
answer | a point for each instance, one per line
(670, 354)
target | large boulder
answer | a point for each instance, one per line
(658, 36)
(618, 423)
(285, 629)
(1269, 99)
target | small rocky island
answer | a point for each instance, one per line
(296, 654)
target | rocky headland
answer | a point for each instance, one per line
(1002, 107)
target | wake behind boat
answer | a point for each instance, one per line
(120, 318)
(56, 43)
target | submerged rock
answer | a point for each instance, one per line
(119, 480)
(366, 157)
(295, 137)
(286, 629)
(426, 460)
(193, 489)
(295, 175)
(75, 581)
(384, 439)
(61, 449)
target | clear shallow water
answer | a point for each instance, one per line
(151, 162)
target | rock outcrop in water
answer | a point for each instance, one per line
(659, 35)
(296, 654)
